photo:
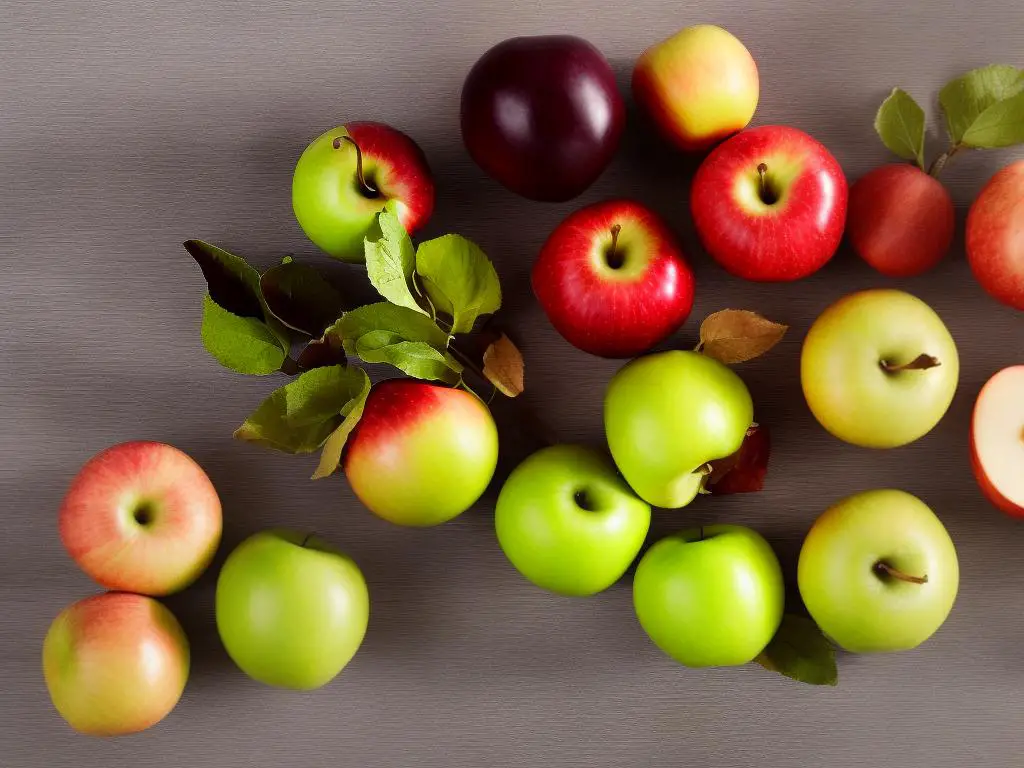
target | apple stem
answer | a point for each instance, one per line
(305, 541)
(613, 259)
(370, 190)
(896, 573)
(941, 160)
(762, 169)
(920, 363)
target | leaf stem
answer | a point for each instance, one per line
(371, 191)
(941, 160)
(896, 573)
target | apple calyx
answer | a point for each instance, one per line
(613, 258)
(365, 187)
(920, 363)
(884, 569)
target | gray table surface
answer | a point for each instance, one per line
(126, 129)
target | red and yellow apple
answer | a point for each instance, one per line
(995, 236)
(997, 440)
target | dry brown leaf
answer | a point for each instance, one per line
(737, 335)
(503, 366)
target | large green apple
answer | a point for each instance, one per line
(667, 415)
(291, 609)
(568, 522)
(879, 369)
(878, 572)
(711, 596)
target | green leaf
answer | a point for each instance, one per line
(298, 296)
(233, 284)
(330, 456)
(967, 97)
(382, 316)
(391, 260)
(900, 124)
(415, 358)
(243, 344)
(801, 651)
(459, 279)
(1001, 125)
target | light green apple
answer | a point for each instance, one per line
(568, 522)
(878, 572)
(711, 596)
(667, 415)
(879, 368)
(291, 609)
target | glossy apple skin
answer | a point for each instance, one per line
(542, 115)
(860, 608)
(141, 517)
(784, 240)
(989, 412)
(711, 596)
(115, 663)
(568, 522)
(699, 86)
(421, 454)
(995, 236)
(613, 304)
(668, 414)
(845, 386)
(335, 211)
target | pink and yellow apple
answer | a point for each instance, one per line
(997, 440)
(995, 236)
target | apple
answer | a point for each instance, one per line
(291, 609)
(115, 663)
(879, 368)
(344, 178)
(997, 440)
(699, 86)
(421, 453)
(141, 517)
(769, 204)
(612, 279)
(667, 415)
(710, 596)
(568, 522)
(878, 572)
(995, 236)
(542, 115)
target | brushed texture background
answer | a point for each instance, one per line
(126, 128)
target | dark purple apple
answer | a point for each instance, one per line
(542, 115)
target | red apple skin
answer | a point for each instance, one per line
(995, 236)
(987, 488)
(900, 220)
(770, 242)
(141, 517)
(613, 311)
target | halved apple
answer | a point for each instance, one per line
(997, 440)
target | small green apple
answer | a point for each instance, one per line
(711, 596)
(568, 522)
(667, 415)
(878, 572)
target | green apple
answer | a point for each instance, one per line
(879, 368)
(711, 596)
(667, 415)
(291, 609)
(568, 522)
(878, 572)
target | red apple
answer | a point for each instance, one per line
(115, 663)
(141, 517)
(612, 279)
(997, 440)
(769, 204)
(995, 236)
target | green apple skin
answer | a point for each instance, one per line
(668, 414)
(711, 596)
(848, 390)
(568, 522)
(291, 609)
(860, 607)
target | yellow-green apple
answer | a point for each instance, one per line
(878, 572)
(710, 596)
(141, 517)
(997, 440)
(769, 204)
(421, 453)
(900, 220)
(291, 609)
(344, 178)
(612, 279)
(995, 236)
(115, 663)
(879, 368)
(667, 415)
(568, 522)
(699, 86)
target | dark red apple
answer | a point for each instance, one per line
(542, 115)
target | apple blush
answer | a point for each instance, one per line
(995, 236)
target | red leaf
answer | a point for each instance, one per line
(744, 471)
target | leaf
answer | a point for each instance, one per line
(1001, 125)
(330, 456)
(900, 125)
(391, 260)
(965, 98)
(801, 652)
(503, 366)
(459, 279)
(406, 324)
(298, 296)
(737, 335)
(415, 358)
(233, 284)
(743, 471)
(243, 344)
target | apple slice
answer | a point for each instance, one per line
(997, 440)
